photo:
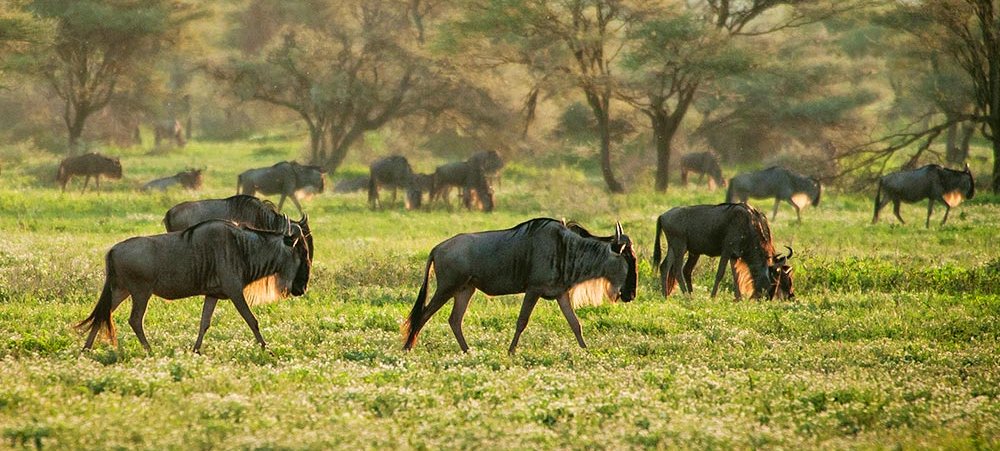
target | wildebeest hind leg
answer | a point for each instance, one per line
(719, 273)
(574, 323)
(139, 303)
(930, 210)
(206, 320)
(947, 209)
(241, 306)
(462, 298)
(689, 270)
(527, 305)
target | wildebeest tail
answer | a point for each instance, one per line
(656, 245)
(101, 316)
(411, 327)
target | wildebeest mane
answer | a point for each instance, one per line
(756, 252)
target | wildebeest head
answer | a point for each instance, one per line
(191, 178)
(488, 161)
(780, 274)
(299, 240)
(622, 245)
(309, 177)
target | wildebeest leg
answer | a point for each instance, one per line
(736, 280)
(947, 209)
(777, 202)
(296, 202)
(676, 266)
(117, 296)
(574, 324)
(462, 298)
(527, 305)
(895, 211)
(97, 182)
(689, 270)
(206, 320)
(723, 259)
(86, 181)
(139, 303)
(798, 211)
(684, 177)
(241, 306)
(281, 201)
(930, 209)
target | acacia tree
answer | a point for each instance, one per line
(99, 46)
(965, 33)
(675, 55)
(19, 31)
(577, 41)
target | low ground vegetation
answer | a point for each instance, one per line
(891, 340)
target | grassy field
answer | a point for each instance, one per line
(891, 342)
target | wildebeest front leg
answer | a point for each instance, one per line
(462, 298)
(86, 181)
(527, 305)
(296, 202)
(723, 259)
(574, 324)
(736, 280)
(947, 209)
(777, 202)
(895, 211)
(206, 320)
(241, 306)
(139, 303)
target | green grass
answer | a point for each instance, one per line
(891, 341)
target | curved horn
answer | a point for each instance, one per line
(967, 167)
(618, 230)
(789, 257)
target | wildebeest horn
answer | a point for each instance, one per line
(789, 257)
(967, 167)
(618, 230)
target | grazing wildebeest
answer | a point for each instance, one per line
(702, 163)
(736, 233)
(779, 183)
(242, 209)
(88, 164)
(931, 182)
(478, 191)
(169, 129)
(351, 185)
(288, 178)
(216, 258)
(474, 173)
(393, 172)
(542, 258)
(190, 179)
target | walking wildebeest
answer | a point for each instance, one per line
(288, 178)
(216, 258)
(931, 182)
(88, 164)
(394, 172)
(542, 258)
(779, 183)
(169, 129)
(190, 179)
(702, 163)
(474, 173)
(736, 233)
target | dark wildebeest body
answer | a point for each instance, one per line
(736, 233)
(702, 163)
(216, 258)
(190, 179)
(351, 185)
(931, 182)
(473, 174)
(88, 165)
(542, 258)
(169, 129)
(779, 183)
(393, 172)
(287, 178)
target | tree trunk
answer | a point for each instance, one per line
(995, 185)
(600, 107)
(663, 135)
(76, 131)
(968, 128)
(951, 149)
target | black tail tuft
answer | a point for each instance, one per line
(101, 316)
(411, 327)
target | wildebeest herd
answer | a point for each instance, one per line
(243, 249)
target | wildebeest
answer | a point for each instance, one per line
(475, 174)
(779, 183)
(287, 178)
(931, 182)
(393, 172)
(702, 163)
(217, 259)
(190, 179)
(242, 209)
(351, 185)
(88, 164)
(736, 233)
(542, 258)
(169, 129)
